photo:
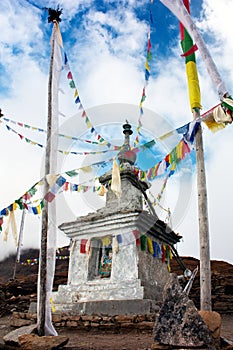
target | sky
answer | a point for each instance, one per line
(105, 42)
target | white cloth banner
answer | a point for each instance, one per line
(179, 10)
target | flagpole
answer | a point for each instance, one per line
(45, 217)
(204, 244)
(195, 102)
(48, 230)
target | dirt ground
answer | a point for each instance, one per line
(99, 340)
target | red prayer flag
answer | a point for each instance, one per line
(69, 75)
(148, 45)
(83, 246)
(136, 234)
(49, 197)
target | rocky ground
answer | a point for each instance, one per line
(16, 295)
(99, 340)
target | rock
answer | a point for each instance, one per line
(19, 322)
(213, 320)
(33, 341)
(12, 337)
(179, 323)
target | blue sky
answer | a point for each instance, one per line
(106, 45)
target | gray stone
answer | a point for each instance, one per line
(12, 337)
(179, 323)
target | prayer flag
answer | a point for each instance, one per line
(191, 69)
(178, 9)
(116, 179)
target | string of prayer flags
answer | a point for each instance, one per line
(178, 153)
(34, 128)
(78, 101)
(35, 261)
(147, 76)
(171, 172)
(22, 137)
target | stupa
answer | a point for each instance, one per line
(119, 254)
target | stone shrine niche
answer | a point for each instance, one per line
(100, 258)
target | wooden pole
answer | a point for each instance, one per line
(45, 219)
(205, 270)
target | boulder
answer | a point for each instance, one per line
(213, 320)
(33, 341)
(12, 337)
(179, 323)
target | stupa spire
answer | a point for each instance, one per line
(126, 155)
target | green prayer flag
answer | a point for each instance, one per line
(72, 84)
(71, 173)
(143, 242)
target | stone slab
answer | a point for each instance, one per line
(98, 290)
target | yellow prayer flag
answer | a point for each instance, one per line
(38, 208)
(213, 126)
(147, 66)
(106, 241)
(150, 245)
(193, 85)
(170, 133)
(88, 123)
(51, 179)
(179, 150)
(86, 169)
(102, 190)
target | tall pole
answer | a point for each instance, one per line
(45, 215)
(205, 268)
(195, 103)
(48, 230)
